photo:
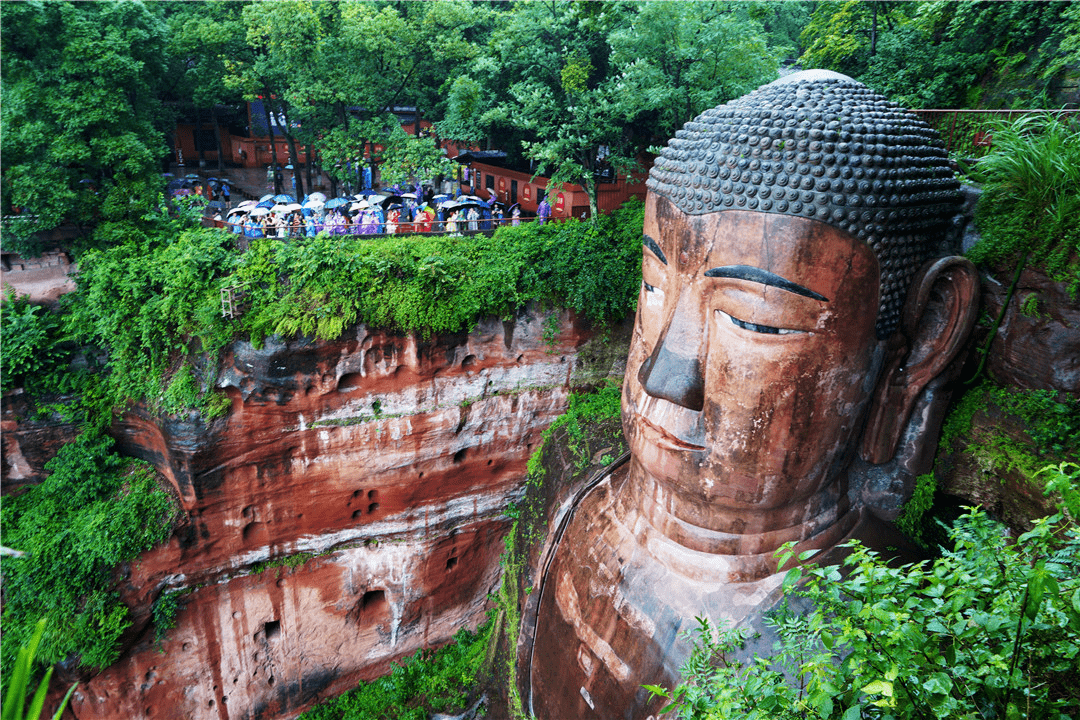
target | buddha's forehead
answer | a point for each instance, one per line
(823, 148)
(800, 249)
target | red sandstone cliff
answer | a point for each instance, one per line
(388, 457)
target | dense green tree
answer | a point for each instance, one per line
(82, 142)
(946, 54)
(677, 59)
(576, 86)
(202, 37)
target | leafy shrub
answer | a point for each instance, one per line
(584, 409)
(1051, 423)
(1031, 184)
(152, 305)
(963, 637)
(33, 351)
(431, 680)
(95, 510)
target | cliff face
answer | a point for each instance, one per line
(388, 459)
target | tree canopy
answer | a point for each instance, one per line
(83, 139)
(91, 91)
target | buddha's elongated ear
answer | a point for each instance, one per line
(939, 314)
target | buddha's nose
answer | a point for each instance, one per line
(674, 369)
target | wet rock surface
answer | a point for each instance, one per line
(347, 512)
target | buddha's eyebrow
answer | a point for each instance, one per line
(651, 244)
(755, 274)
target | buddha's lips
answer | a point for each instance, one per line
(669, 441)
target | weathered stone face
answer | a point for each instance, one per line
(772, 342)
(751, 364)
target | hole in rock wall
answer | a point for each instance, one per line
(372, 600)
(459, 455)
(372, 507)
(451, 563)
(349, 381)
(272, 629)
(469, 361)
(356, 514)
(252, 531)
(372, 494)
(372, 607)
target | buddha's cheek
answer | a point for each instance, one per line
(775, 422)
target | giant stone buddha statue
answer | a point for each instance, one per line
(798, 314)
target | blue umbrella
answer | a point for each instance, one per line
(337, 202)
(266, 204)
(283, 198)
(264, 198)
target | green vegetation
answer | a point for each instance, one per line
(81, 141)
(961, 637)
(1048, 430)
(429, 681)
(15, 707)
(290, 562)
(582, 414)
(947, 54)
(95, 511)
(156, 308)
(34, 355)
(1031, 185)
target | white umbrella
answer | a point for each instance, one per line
(259, 212)
(314, 204)
(316, 196)
(292, 207)
(264, 198)
(247, 203)
(360, 205)
(280, 208)
(409, 195)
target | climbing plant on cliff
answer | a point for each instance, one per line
(1031, 199)
(430, 680)
(95, 511)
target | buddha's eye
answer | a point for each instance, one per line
(754, 327)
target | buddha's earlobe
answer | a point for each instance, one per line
(939, 314)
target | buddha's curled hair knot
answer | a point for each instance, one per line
(820, 145)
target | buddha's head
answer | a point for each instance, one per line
(796, 299)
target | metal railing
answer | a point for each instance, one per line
(435, 227)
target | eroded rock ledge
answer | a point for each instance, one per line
(389, 458)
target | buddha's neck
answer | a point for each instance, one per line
(669, 521)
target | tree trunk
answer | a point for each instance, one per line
(310, 165)
(591, 189)
(198, 140)
(217, 141)
(873, 32)
(273, 143)
(294, 157)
